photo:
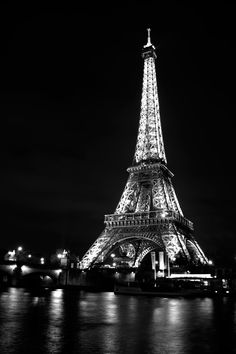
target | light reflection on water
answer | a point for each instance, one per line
(82, 322)
(55, 321)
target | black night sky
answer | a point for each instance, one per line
(70, 92)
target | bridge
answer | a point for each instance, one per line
(20, 274)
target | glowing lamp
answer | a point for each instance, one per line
(164, 214)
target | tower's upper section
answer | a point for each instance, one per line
(150, 146)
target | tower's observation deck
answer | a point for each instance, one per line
(157, 217)
(146, 173)
(148, 216)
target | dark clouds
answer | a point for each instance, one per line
(70, 96)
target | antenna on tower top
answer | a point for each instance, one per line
(148, 39)
(149, 36)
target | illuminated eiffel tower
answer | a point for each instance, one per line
(148, 216)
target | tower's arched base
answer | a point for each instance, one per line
(126, 247)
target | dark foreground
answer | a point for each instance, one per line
(69, 321)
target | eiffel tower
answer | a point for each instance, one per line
(148, 216)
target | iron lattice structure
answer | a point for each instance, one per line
(148, 216)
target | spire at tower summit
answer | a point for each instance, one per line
(148, 38)
(150, 145)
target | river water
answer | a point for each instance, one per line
(67, 321)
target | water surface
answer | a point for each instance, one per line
(64, 321)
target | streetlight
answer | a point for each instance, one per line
(11, 255)
(19, 254)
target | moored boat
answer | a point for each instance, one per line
(170, 289)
